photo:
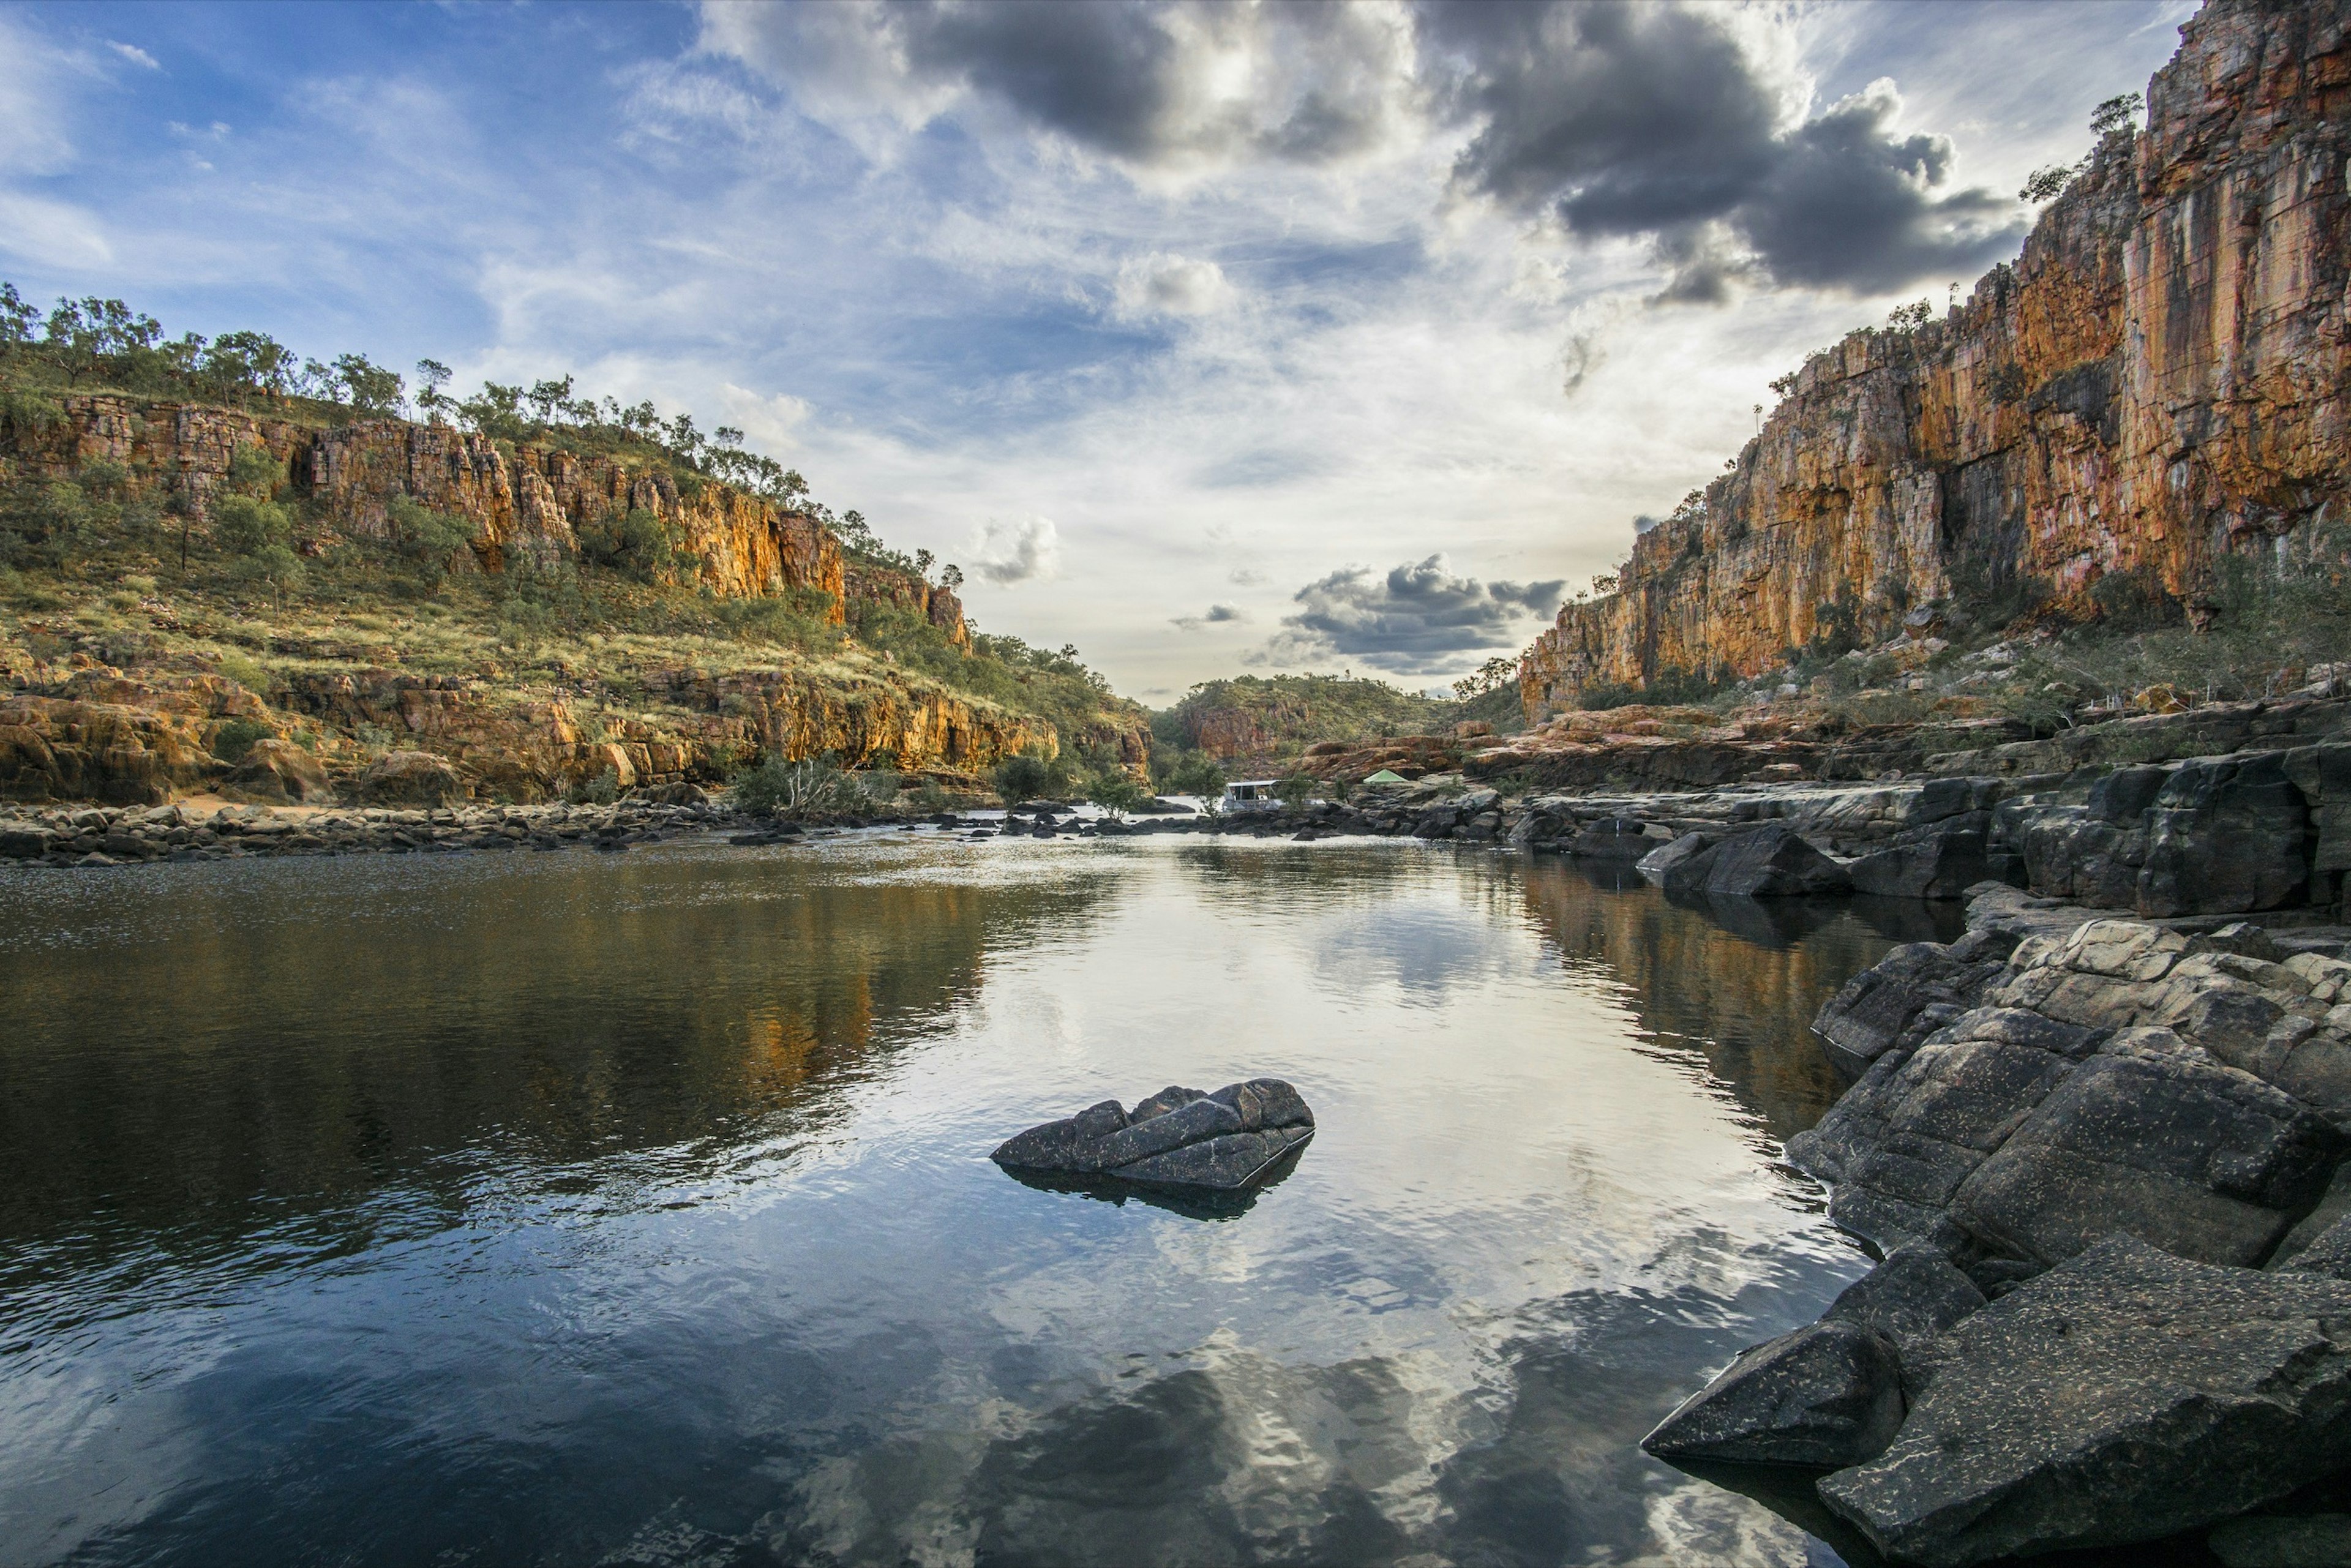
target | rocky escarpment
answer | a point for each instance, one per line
(143, 738)
(2163, 376)
(522, 502)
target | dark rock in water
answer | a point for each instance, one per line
(1659, 863)
(1613, 839)
(2123, 1396)
(2284, 1541)
(1900, 1143)
(1879, 1006)
(1179, 1139)
(1832, 1392)
(2154, 1139)
(1829, 1394)
(1942, 860)
(1771, 861)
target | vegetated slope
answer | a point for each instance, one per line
(2153, 396)
(1263, 721)
(203, 537)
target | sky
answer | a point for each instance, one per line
(1211, 339)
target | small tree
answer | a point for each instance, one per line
(1296, 790)
(1115, 793)
(1019, 778)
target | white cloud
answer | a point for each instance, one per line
(1010, 550)
(1165, 285)
(52, 234)
(134, 54)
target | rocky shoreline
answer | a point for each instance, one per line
(2106, 1163)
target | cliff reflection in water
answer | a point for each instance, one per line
(1736, 981)
(231, 1042)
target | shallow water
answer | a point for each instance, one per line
(570, 1208)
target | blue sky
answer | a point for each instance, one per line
(1208, 339)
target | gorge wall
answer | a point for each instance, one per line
(2161, 377)
(523, 501)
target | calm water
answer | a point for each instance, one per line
(569, 1209)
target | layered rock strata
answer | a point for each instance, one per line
(2163, 376)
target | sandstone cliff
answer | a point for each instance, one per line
(2162, 376)
(120, 695)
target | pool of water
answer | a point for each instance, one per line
(568, 1208)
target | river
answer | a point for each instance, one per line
(580, 1208)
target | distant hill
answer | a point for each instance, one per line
(1266, 718)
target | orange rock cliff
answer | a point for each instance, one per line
(2162, 376)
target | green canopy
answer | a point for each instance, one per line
(1384, 776)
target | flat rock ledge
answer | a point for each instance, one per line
(1179, 1140)
(2109, 1165)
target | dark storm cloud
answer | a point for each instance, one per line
(1652, 120)
(1218, 614)
(1144, 81)
(1640, 118)
(1413, 619)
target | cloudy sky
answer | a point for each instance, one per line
(1207, 337)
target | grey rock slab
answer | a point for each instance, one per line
(1769, 862)
(2154, 1139)
(2123, 1396)
(1878, 1005)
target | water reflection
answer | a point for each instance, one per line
(567, 1209)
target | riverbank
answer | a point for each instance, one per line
(2106, 1163)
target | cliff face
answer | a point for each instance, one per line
(2162, 376)
(523, 502)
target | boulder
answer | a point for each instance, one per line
(1920, 981)
(1828, 1395)
(1179, 1139)
(1942, 860)
(279, 772)
(2123, 1396)
(1898, 1146)
(2225, 835)
(1659, 863)
(1832, 1392)
(2152, 1138)
(411, 779)
(24, 844)
(1769, 862)
(1612, 839)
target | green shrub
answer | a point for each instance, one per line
(601, 790)
(812, 785)
(234, 739)
(1296, 790)
(1198, 774)
(243, 525)
(1033, 775)
(1115, 793)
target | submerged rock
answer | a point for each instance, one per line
(1182, 1139)
(2123, 1396)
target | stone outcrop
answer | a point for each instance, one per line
(1180, 1139)
(2128, 1396)
(2164, 375)
(523, 502)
